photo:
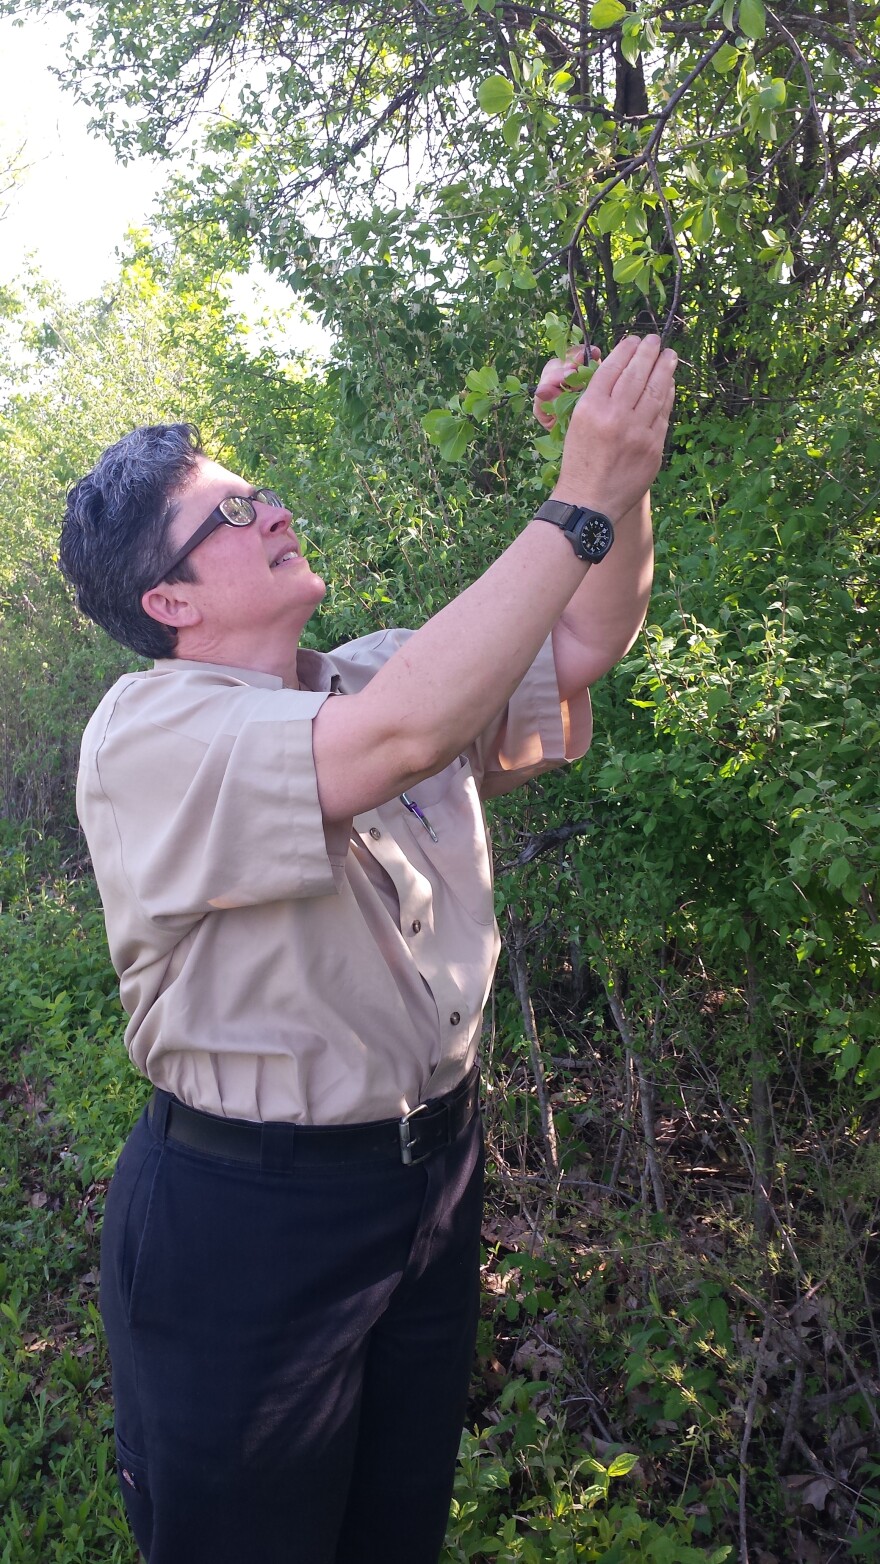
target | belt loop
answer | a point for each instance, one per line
(159, 1113)
(277, 1148)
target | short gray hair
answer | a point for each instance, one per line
(114, 538)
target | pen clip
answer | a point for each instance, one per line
(412, 806)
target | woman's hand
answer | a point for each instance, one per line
(553, 379)
(614, 442)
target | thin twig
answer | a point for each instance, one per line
(746, 1439)
(646, 1091)
(814, 107)
(626, 1126)
(520, 972)
(672, 312)
(794, 1411)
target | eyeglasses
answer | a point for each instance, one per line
(236, 511)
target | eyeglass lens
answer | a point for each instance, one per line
(238, 509)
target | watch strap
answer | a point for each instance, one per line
(559, 511)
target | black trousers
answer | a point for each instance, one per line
(290, 1351)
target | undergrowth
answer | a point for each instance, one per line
(639, 1378)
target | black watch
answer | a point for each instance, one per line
(589, 532)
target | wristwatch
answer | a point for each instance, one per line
(589, 532)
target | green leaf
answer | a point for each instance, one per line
(495, 95)
(631, 44)
(484, 380)
(850, 1055)
(610, 215)
(703, 224)
(478, 407)
(773, 95)
(453, 448)
(725, 59)
(548, 445)
(636, 223)
(831, 71)
(718, 1314)
(628, 267)
(523, 277)
(606, 12)
(839, 871)
(752, 18)
(439, 424)
(622, 1464)
(580, 378)
(764, 124)
(591, 1495)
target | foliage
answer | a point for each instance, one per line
(61, 1038)
(570, 1516)
(56, 1463)
(754, 699)
(710, 164)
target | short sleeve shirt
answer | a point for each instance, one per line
(272, 967)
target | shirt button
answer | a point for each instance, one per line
(454, 1018)
(416, 926)
(374, 833)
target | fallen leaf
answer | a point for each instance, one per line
(807, 1551)
(808, 1489)
(537, 1359)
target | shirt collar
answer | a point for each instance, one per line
(314, 670)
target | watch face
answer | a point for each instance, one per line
(596, 536)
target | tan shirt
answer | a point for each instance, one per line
(272, 969)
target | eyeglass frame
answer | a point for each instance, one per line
(219, 518)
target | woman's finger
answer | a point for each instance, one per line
(611, 368)
(636, 374)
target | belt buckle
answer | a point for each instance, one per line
(436, 1109)
(407, 1156)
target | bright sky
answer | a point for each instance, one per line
(74, 202)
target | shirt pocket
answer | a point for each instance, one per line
(461, 856)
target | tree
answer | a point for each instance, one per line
(713, 170)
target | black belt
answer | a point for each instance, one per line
(281, 1147)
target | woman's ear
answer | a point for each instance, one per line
(171, 605)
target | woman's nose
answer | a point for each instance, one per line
(277, 518)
